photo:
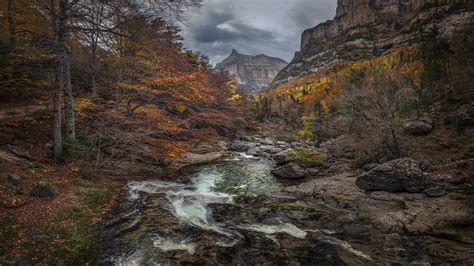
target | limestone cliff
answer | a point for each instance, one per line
(252, 73)
(367, 28)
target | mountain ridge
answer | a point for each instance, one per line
(368, 28)
(251, 72)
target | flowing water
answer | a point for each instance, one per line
(241, 175)
(235, 212)
(200, 221)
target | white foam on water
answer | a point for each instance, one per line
(170, 244)
(136, 259)
(149, 187)
(286, 228)
(195, 212)
(246, 156)
(205, 184)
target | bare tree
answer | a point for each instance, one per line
(377, 109)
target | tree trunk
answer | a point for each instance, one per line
(57, 136)
(66, 82)
(94, 66)
(58, 82)
(69, 102)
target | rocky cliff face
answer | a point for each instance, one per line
(367, 28)
(252, 73)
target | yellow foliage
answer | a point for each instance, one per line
(325, 85)
(83, 105)
(180, 107)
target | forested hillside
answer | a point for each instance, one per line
(379, 87)
(92, 90)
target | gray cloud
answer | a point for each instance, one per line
(271, 27)
(308, 13)
(224, 27)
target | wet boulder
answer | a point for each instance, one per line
(290, 171)
(44, 190)
(394, 176)
(418, 128)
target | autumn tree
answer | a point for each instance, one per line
(88, 17)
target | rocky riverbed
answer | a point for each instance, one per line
(233, 210)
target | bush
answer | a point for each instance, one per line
(306, 157)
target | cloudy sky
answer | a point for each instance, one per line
(271, 27)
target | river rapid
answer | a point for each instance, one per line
(235, 212)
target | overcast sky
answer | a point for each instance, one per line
(271, 27)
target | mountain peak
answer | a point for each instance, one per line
(252, 73)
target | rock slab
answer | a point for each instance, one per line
(394, 176)
(290, 171)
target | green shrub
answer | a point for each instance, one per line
(306, 157)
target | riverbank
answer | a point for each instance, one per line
(49, 209)
(265, 196)
(234, 210)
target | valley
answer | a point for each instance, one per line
(121, 145)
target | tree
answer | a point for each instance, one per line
(376, 109)
(65, 17)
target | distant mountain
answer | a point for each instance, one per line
(252, 73)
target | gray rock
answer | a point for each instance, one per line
(418, 128)
(17, 151)
(270, 149)
(44, 190)
(437, 191)
(290, 171)
(239, 146)
(394, 176)
(282, 144)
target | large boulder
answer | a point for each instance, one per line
(290, 171)
(394, 176)
(418, 128)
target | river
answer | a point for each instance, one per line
(235, 212)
